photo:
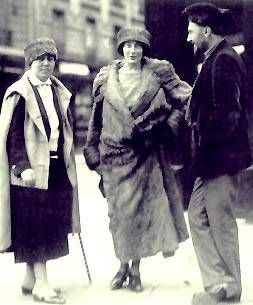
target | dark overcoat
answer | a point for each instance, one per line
(217, 114)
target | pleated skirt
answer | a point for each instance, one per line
(41, 219)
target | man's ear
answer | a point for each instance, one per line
(207, 31)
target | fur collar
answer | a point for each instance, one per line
(112, 92)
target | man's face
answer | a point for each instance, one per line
(197, 36)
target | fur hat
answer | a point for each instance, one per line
(206, 14)
(39, 47)
(133, 33)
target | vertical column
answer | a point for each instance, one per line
(129, 11)
(104, 41)
(34, 18)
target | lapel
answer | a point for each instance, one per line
(63, 95)
(196, 99)
(112, 94)
(24, 88)
(148, 89)
(33, 110)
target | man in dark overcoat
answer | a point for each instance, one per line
(220, 147)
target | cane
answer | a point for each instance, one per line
(84, 256)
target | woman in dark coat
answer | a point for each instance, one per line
(128, 144)
(38, 183)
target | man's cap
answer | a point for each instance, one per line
(207, 14)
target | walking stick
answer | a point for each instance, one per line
(84, 256)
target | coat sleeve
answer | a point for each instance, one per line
(91, 151)
(16, 148)
(176, 90)
(177, 93)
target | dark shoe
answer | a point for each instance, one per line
(232, 299)
(26, 291)
(119, 279)
(226, 292)
(135, 283)
(202, 298)
(218, 295)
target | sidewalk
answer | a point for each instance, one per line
(170, 281)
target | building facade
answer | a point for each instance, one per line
(84, 32)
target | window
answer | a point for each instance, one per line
(141, 7)
(5, 37)
(91, 34)
(116, 28)
(91, 21)
(58, 14)
(15, 10)
(118, 3)
(58, 29)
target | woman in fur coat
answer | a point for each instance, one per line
(137, 102)
(38, 182)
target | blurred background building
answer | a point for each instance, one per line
(84, 32)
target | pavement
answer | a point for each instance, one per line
(170, 281)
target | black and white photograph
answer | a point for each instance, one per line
(126, 152)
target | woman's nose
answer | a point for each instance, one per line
(132, 48)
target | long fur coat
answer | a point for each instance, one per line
(130, 148)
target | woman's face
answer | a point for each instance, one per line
(132, 51)
(43, 66)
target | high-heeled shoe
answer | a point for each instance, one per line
(119, 279)
(135, 282)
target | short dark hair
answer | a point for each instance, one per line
(206, 14)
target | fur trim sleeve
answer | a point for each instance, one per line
(164, 71)
(100, 79)
(91, 150)
(176, 89)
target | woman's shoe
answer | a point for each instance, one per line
(28, 291)
(53, 299)
(135, 282)
(119, 279)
